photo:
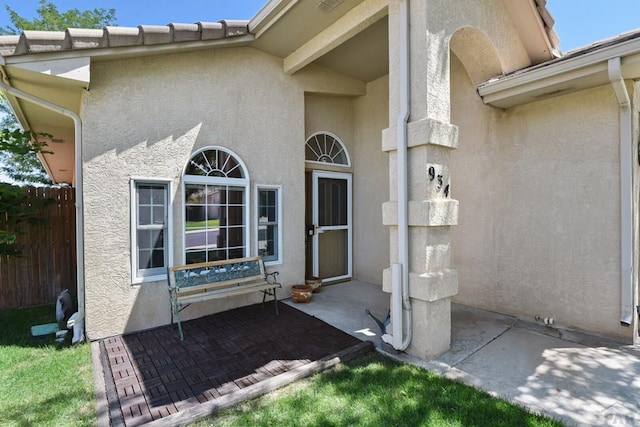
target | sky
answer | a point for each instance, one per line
(578, 22)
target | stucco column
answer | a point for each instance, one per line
(432, 211)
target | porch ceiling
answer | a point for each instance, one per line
(352, 38)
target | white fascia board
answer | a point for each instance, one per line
(77, 69)
(591, 76)
(269, 13)
(551, 74)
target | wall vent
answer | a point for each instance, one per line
(328, 5)
(57, 141)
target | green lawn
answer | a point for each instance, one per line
(207, 223)
(42, 382)
(375, 391)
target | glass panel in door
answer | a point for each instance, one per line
(332, 221)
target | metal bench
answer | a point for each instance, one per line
(218, 279)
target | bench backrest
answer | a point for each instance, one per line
(192, 277)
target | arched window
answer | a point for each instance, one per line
(216, 206)
(323, 147)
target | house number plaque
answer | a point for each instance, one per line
(438, 180)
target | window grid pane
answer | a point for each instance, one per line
(268, 224)
(214, 221)
(151, 226)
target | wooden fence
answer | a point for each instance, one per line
(48, 261)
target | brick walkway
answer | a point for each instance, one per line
(152, 374)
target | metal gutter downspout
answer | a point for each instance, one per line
(400, 304)
(626, 192)
(78, 185)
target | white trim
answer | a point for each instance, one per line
(257, 189)
(316, 259)
(334, 136)
(135, 280)
(196, 179)
(269, 15)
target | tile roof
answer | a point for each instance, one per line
(143, 35)
(146, 35)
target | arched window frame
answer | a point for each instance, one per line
(217, 180)
(336, 140)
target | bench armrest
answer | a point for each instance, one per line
(271, 278)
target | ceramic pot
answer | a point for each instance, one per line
(315, 283)
(301, 293)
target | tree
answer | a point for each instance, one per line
(25, 168)
(15, 212)
(51, 19)
(19, 148)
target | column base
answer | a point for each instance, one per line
(431, 328)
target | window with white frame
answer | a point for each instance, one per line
(269, 220)
(150, 231)
(216, 206)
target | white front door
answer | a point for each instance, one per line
(332, 238)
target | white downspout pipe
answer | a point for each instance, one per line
(78, 184)
(402, 329)
(626, 190)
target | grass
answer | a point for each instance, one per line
(375, 391)
(207, 223)
(42, 382)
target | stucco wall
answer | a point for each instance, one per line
(144, 118)
(371, 183)
(539, 222)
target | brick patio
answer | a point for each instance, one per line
(152, 375)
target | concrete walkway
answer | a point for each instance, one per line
(578, 378)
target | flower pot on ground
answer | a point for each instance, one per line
(315, 283)
(301, 293)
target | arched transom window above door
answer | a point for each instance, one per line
(324, 147)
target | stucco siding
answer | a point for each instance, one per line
(538, 186)
(144, 118)
(371, 183)
(445, 17)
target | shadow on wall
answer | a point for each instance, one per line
(146, 136)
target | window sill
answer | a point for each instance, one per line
(147, 279)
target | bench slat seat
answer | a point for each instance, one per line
(193, 283)
(223, 293)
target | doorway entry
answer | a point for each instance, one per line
(329, 225)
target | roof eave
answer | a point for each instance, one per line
(103, 54)
(561, 76)
(268, 15)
